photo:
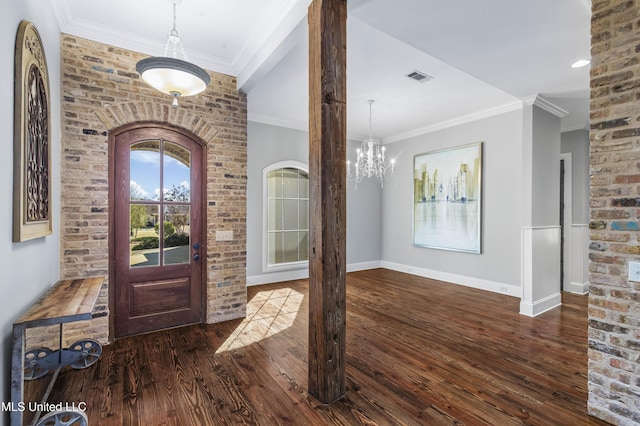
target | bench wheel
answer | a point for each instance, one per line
(64, 418)
(89, 351)
(32, 357)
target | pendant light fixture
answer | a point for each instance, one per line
(370, 160)
(173, 75)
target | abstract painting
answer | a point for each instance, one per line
(447, 199)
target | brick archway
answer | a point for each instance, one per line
(118, 115)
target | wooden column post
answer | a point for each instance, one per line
(327, 198)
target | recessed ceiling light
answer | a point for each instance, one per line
(580, 63)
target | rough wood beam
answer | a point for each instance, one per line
(327, 198)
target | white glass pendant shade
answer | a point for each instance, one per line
(173, 76)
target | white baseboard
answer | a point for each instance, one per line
(276, 277)
(577, 288)
(529, 309)
(363, 266)
(493, 286)
(298, 274)
(540, 306)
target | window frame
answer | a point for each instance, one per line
(266, 267)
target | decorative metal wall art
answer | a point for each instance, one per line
(32, 138)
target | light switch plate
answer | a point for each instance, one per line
(634, 271)
(224, 235)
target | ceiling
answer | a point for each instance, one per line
(485, 57)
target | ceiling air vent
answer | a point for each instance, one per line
(419, 76)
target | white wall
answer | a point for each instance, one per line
(28, 268)
(364, 219)
(541, 230)
(546, 169)
(267, 144)
(577, 143)
(498, 267)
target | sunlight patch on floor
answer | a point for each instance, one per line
(268, 313)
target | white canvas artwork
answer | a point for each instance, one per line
(447, 199)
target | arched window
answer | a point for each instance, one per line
(286, 215)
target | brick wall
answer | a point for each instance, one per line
(614, 301)
(101, 90)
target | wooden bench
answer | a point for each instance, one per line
(67, 301)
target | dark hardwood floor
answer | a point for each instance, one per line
(418, 352)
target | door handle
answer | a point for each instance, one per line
(196, 257)
(196, 246)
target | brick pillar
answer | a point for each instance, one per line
(614, 300)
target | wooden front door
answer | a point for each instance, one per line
(156, 231)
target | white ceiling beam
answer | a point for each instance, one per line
(287, 34)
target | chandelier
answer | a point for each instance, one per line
(370, 160)
(170, 74)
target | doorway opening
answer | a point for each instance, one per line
(565, 218)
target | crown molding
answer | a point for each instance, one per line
(61, 11)
(260, 44)
(272, 121)
(543, 103)
(258, 41)
(512, 106)
(135, 43)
